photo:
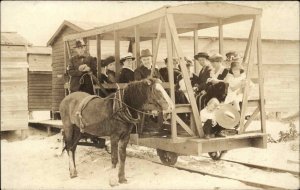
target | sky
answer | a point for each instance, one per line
(37, 21)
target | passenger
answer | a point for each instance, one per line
(82, 69)
(236, 79)
(164, 71)
(144, 71)
(219, 71)
(127, 74)
(231, 56)
(206, 72)
(208, 119)
(107, 64)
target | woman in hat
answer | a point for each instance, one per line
(82, 68)
(206, 72)
(107, 74)
(219, 72)
(236, 79)
(127, 74)
(144, 71)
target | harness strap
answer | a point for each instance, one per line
(81, 107)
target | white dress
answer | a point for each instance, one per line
(235, 95)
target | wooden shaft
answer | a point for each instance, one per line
(171, 79)
(248, 76)
(246, 53)
(156, 47)
(261, 78)
(196, 66)
(221, 40)
(137, 45)
(185, 74)
(98, 46)
(117, 54)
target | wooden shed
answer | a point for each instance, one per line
(58, 70)
(39, 78)
(14, 91)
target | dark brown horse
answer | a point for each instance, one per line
(103, 117)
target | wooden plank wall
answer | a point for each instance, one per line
(39, 90)
(58, 69)
(14, 94)
(40, 62)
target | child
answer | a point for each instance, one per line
(208, 118)
(236, 78)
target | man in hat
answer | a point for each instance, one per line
(144, 71)
(127, 74)
(82, 69)
(206, 72)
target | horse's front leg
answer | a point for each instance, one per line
(122, 155)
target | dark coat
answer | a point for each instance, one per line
(126, 76)
(165, 75)
(143, 72)
(204, 74)
(81, 81)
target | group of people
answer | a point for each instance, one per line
(82, 69)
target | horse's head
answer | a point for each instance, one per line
(148, 95)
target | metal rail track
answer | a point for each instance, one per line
(247, 182)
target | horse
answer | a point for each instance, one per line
(112, 116)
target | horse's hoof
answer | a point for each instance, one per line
(123, 180)
(113, 182)
(73, 175)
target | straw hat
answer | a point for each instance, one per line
(127, 56)
(227, 116)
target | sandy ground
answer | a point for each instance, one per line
(35, 163)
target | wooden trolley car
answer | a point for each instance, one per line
(168, 22)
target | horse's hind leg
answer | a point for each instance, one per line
(72, 136)
(122, 155)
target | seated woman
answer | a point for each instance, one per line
(219, 72)
(127, 74)
(107, 75)
(236, 79)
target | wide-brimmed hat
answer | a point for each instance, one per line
(227, 116)
(145, 53)
(79, 43)
(201, 54)
(232, 55)
(108, 60)
(126, 56)
(216, 58)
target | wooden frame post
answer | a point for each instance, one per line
(137, 45)
(253, 39)
(171, 78)
(246, 53)
(196, 66)
(98, 46)
(117, 54)
(221, 40)
(261, 78)
(195, 112)
(156, 47)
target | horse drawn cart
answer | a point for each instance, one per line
(168, 22)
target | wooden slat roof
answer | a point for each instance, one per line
(187, 18)
(13, 38)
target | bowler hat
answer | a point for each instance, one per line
(79, 43)
(201, 54)
(110, 59)
(145, 53)
(216, 58)
(227, 116)
(127, 56)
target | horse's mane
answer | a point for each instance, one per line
(136, 93)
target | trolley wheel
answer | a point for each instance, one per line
(217, 155)
(166, 157)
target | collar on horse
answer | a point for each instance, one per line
(121, 112)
